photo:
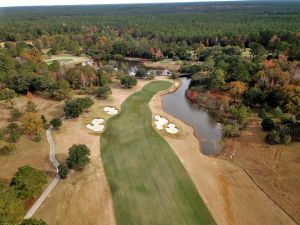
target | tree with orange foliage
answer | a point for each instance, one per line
(272, 78)
(237, 89)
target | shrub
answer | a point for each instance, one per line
(44, 119)
(103, 92)
(273, 137)
(7, 149)
(38, 137)
(31, 107)
(15, 114)
(277, 112)
(31, 123)
(78, 157)
(2, 134)
(28, 182)
(230, 130)
(63, 171)
(14, 132)
(240, 114)
(174, 76)
(33, 222)
(56, 122)
(7, 94)
(128, 81)
(267, 124)
(262, 113)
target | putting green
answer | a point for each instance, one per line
(149, 185)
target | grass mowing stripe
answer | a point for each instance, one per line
(149, 184)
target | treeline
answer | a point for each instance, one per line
(133, 30)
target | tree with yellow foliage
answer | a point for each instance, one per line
(237, 89)
(31, 123)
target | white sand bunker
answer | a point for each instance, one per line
(96, 125)
(160, 122)
(172, 129)
(176, 84)
(111, 110)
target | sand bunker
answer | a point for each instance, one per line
(160, 122)
(176, 84)
(172, 129)
(111, 110)
(96, 125)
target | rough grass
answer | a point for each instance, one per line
(149, 185)
(66, 59)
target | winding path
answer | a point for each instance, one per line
(54, 182)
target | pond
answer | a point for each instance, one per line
(207, 131)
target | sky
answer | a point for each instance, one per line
(5, 3)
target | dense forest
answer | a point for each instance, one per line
(133, 29)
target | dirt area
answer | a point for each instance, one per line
(231, 196)
(274, 168)
(29, 152)
(84, 197)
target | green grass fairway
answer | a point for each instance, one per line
(149, 185)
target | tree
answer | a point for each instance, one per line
(78, 157)
(103, 92)
(240, 114)
(60, 90)
(237, 89)
(217, 79)
(73, 108)
(7, 94)
(257, 51)
(28, 182)
(19, 83)
(63, 171)
(11, 207)
(141, 73)
(273, 138)
(128, 81)
(7, 149)
(267, 124)
(56, 122)
(33, 222)
(231, 130)
(31, 123)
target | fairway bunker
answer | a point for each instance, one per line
(172, 129)
(111, 110)
(160, 122)
(97, 125)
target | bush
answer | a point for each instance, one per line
(273, 138)
(15, 114)
(103, 92)
(44, 119)
(277, 112)
(262, 113)
(240, 114)
(63, 171)
(56, 122)
(31, 107)
(78, 157)
(267, 124)
(128, 81)
(230, 130)
(28, 182)
(7, 149)
(33, 222)
(7, 94)
(174, 76)
(14, 132)
(38, 137)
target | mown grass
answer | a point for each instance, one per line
(149, 185)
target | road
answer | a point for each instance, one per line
(54, 182)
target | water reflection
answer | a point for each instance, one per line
(206, 129)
